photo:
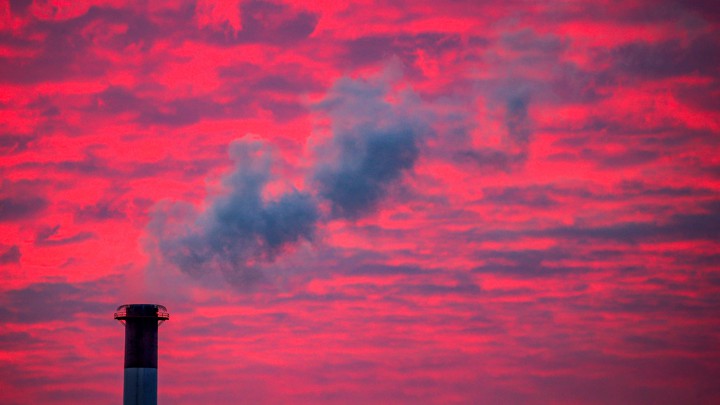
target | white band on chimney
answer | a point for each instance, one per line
(140, 386)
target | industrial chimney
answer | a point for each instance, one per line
(141, 351)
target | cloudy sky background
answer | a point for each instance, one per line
(384, 202)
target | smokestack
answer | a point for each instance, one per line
(141, 351)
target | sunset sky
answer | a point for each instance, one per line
(401, 202)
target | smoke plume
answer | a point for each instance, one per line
(373, 142)
(239, 230)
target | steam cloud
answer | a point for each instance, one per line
(373, 143)
(240, 230)
(369, 155)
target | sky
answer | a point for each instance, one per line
(400, 202)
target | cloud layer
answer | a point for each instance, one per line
(446, 202)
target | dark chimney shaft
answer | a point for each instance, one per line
(141, 351)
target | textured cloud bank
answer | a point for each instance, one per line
(546, 233)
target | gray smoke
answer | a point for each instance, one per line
(374, 142)
(240, 230)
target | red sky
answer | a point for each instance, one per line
(389, 202)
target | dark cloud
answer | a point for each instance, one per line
(372, 49)
(178, 112)
(306, 297)
(571, 83)
(366, 50)
(492, 159)
(44, 302)
(20, 208)
(290, 79)
(14, 341)
(277, 91)
(284, 111)
(19, 6)
(11, 143)
(518, 122)
(698, 260)
(621, 160)
(699, 226)
(147, 110)
(527, 40)
(101, 211)
(64, 51)
(702, 96)
(20, 200)
(465, 287)
(662, 302)
(265, 22)
(374, 143)
(285, 83)
(668, 58)
(269, 93)
(189, 168)
(618, 126)
(385, 270)
(638, 187)
(677, 227)
(45, 107)
(547, 196)
(527, 263)
(240, 231)
(536, 197)
(562, 385)
(513, 152)
(45, 237)
(115, 99)
(706, 8)
(10, 255)
(93, 165)
(90, 164)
